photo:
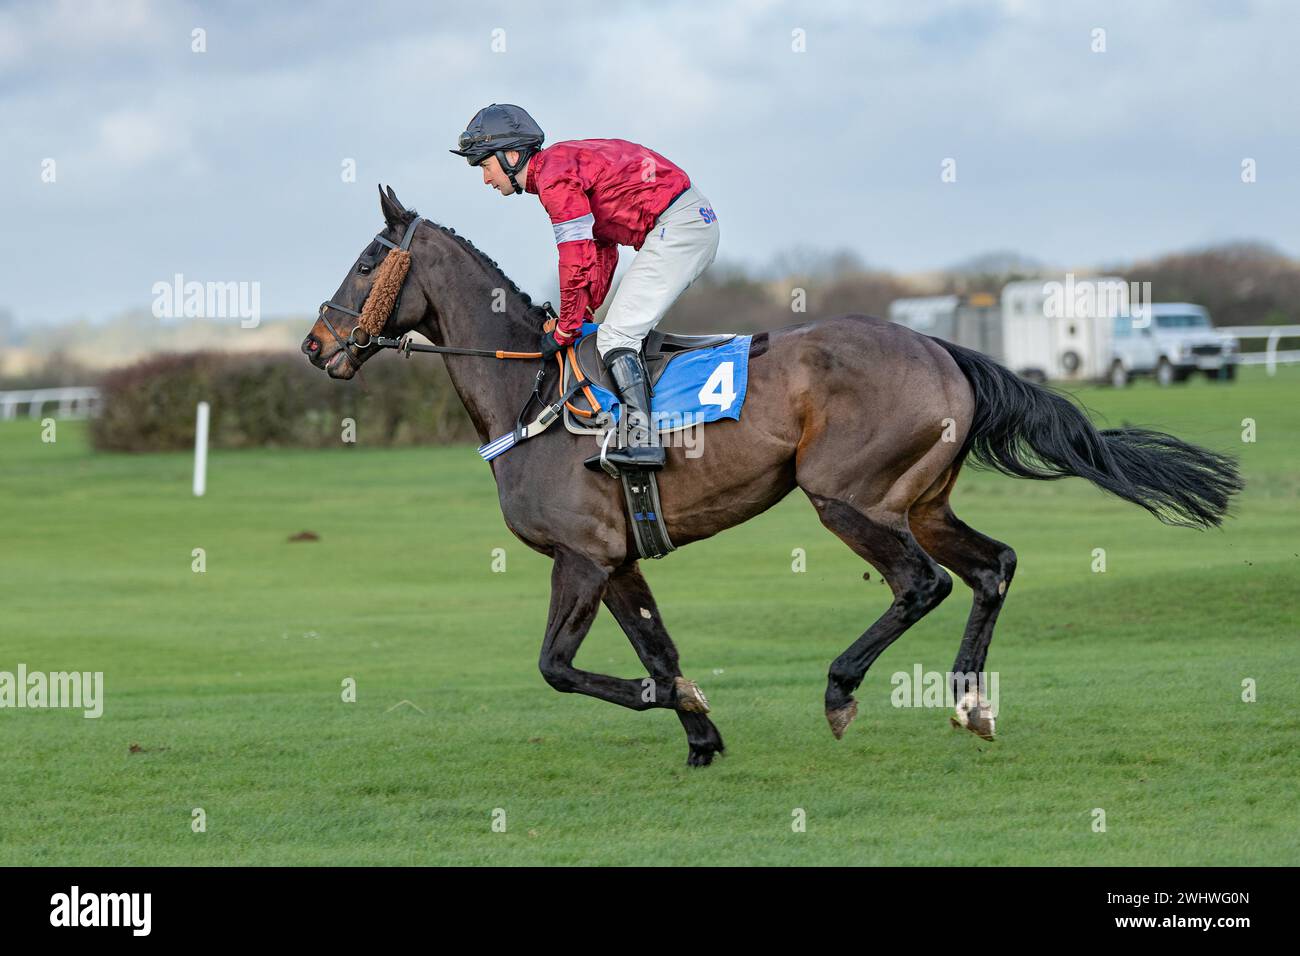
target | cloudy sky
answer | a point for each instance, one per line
(225, 165)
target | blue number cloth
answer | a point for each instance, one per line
(705, 385)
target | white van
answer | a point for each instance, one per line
(1174, 341)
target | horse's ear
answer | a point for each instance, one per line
(390, 207)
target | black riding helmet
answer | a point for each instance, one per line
(495, 129)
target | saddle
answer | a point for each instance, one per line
(640, 486)
(659, 349)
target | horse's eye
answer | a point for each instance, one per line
(363, 269)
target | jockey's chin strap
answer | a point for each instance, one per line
(512, 171)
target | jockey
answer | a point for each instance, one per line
(600, 194)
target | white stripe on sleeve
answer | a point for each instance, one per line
(574, 229)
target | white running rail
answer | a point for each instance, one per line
(71, 402)
(1270, 356)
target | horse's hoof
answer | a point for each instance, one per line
(689, 696)
(841, 717)
(974, 713)
(705, 743)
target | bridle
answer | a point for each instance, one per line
(353, 339)
(360, 338)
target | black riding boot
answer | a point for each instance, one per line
(642, 449)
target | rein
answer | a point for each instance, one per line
(365, 334)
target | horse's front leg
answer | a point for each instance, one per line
(577, 588)
(629, 599)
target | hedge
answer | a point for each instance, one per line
(264, 400)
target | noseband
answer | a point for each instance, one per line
(359, 337)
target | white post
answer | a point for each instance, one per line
(201, 451)
(1270, 351)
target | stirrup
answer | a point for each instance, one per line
(614, 468)
(605, 465)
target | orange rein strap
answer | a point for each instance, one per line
(572, 349)
(586, 391)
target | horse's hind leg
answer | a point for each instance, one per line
(918, 583)
(629, 599)
(987, 566)
(577, 587)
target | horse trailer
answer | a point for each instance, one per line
(1062, 330)
(972, 321)
(1041, 328)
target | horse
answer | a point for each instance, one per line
(870, 420)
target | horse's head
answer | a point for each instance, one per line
(370, 301)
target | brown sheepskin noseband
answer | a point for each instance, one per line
(384, 291)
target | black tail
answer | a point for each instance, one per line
(1028, 431)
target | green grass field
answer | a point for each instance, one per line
(1119, 690)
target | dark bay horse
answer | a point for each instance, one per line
(871, 420)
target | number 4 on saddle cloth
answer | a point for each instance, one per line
(694, 380)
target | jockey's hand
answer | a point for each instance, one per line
(552, 342)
